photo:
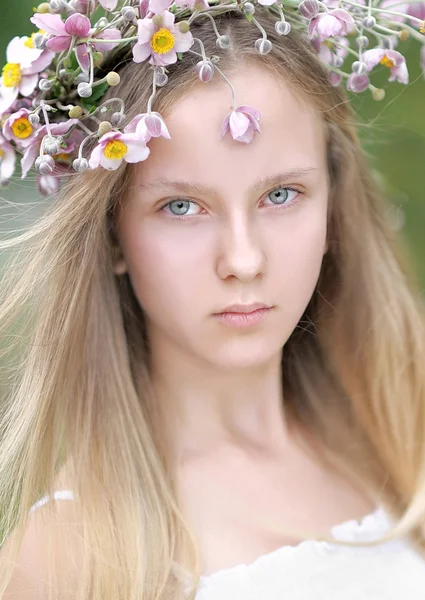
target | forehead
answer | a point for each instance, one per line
(292, 134)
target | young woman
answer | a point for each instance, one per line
(217, 386)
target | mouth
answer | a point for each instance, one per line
(244, 308)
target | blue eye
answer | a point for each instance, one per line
(180, 207)
(281, 195)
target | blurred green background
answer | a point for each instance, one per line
(393, 134)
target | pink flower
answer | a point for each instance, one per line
(7, 160)
(76, 25)
(114, 147)
(160, 43)
(147, 126)
(20, 74)
(48, 185)
(32, 151)
(242, 124)
(326, 54)
(358, 83)
(389, 58)
(17, 128)
(331, 23)
(109, 4)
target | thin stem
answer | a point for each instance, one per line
(200, 14)
(230, 85)
(83, 143)
(46, 118)
(152, 96)
(117, 42)
(263, 32)
(204, 56)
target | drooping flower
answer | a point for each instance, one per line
(79, 26)
(242, 123)
(328, 51)
(389, 58)
(358, 82)
(147, 126)
(160, 40)
(18, 128)
(114, 147)
(33, 149)
(7, 160)
(48, 185)
(330, 23)
(20, 74)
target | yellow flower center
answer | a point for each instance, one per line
(1, 154)
(162, 41)
(115, 149)
(11, 75)
(22, 128)
(387, 62)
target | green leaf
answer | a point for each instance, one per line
(98, 92)
(179, 55)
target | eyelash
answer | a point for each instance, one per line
(276, 206)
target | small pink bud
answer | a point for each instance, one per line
(357, 83)
(78, 25)
(309, 8)
(205, 70)
(334, 78)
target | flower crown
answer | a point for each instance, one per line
(51, 96)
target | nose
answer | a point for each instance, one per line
(241, 251)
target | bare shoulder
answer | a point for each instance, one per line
(51, 538)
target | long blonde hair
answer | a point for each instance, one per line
(76, 359)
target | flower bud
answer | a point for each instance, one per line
(44, 164)
(104, 127)
(45, 85)
(358, 67)
(309, 8)
(205, 70)
(404, 35)
(128, 12)
(337, 61)
(51, 144)
(76, 112)
(183, 26)
(113, 78)
(334, 78)
(84, 90)
(282, 27)
(57, 6)
(358, 83)
(80, 165)
(378, 94)
(158, 20)
(39, 41)
(117, 119)
(362, 41)
(369, 22)
(249, 8)
(161, 78)
(34, 119)
(223, 42)
(78, 25)
(62, 72)
(263, 46)
(43, 8)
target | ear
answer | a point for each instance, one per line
(120, 266)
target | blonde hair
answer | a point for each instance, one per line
(80, 394)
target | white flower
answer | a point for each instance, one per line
(7, 160)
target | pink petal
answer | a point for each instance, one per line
(94, 160)
(162, 60)
(312, 26)
(77, 24)
(183, 41)
(247, 137)
(400, 73)
(136, 149)
(7, 164)
(225, 126)
(59, 43)
(49, 23)
(108, 34)
(82, 56)
(249, 110)
(48, 185)
(13, 50)
(7, 97)
(168, 20)
(27, 84)
(158, 6)
(328, 26)
(145, 30)
(109, 4)
(372, 57)
(28, 158)
(141, 52)
(239, 123)
(255, 126)
(64, 127)
(111, 164)
(132, 126)
(42, 62)
(342, 15)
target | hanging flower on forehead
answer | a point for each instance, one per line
(160, 40)
(20, 74)
(389, 58)
(242, 123)
(114, 147)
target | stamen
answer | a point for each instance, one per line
(11, 75)
(22, 128)
(162, 41)
(115, 149)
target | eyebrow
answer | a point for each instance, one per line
(193, 187)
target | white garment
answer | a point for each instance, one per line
(314, 570)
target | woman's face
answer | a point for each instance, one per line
(202, 225)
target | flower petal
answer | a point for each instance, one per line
(247, 137)
(225, 126)
(28, 158)
(78, 25)
(372, 57)
(13, 50)
(158, 6)
(109, 4)
(7, 97)
(41, 63)
(7, 164)
(94, 160)
(111, 164)
(27, 84)
(239, 123)
(83, 58)
(136, 148)
(141, 52)
(108, 34)
(168, 20)
(49, 23)
(162, 60)
(342, 15)
(59, 43)
(183, 41)
(249, 110)
(145, 30)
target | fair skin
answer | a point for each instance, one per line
(241, 473)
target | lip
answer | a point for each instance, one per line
(243, 308)
(245, 318)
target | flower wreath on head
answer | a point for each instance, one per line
(51, 96)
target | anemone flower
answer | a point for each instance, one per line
(389, 58)
(242, 123)
(114, 147)
(331, 23)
